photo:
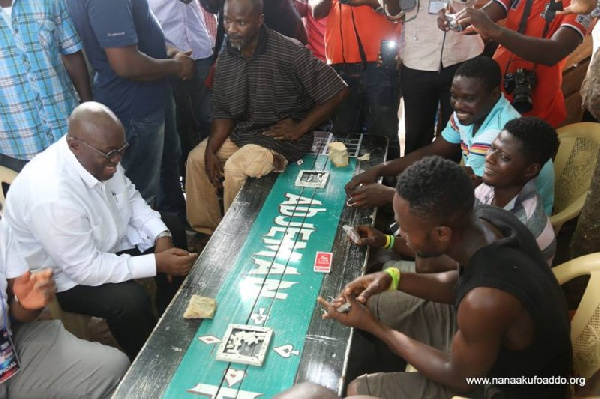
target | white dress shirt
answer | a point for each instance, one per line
(64, 218)
(426, 46)
(184, 26)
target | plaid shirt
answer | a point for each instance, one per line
(36, 93)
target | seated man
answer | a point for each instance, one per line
(480, 113)
(514, 158)
(269, 94)
(73, 210)
(52, 363)
(505, 298)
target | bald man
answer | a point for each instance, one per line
(73, 210)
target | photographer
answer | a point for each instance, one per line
(429, 61)
(531, 52)
(353, 41)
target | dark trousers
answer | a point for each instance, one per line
(373, 101)
(127, 306)
(423, 92)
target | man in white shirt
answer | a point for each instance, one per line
(52, 363)
(73, 210)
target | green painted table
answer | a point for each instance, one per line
(259, 267)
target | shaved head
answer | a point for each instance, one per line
(94, 131)
(91, 120)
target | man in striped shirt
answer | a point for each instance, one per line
(41, 67)
(513, 160)
(269, 94)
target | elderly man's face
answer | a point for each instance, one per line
(100, 153)
(241, 22)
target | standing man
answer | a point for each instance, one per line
(126, 48)
(185, 28)
(533, 47)
(40, 62)
(270, 93)
(353, 40)
(73, 210)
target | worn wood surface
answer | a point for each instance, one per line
(327, 343)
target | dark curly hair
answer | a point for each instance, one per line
(539, 140)
(483, 68)
(437, 189)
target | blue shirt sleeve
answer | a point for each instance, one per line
(450, 134)
(69, 39)
(112, 22)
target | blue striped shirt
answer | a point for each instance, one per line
(36, 93)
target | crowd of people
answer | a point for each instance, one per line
(112, 109)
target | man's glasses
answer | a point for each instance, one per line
(108, 155)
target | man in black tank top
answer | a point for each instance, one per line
(507, 335)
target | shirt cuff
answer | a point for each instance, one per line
(143, 266)
(154, 227)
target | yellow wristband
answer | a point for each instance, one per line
(387, 242)
(392, 241)
(395, 274)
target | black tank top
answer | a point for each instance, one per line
(514, 264)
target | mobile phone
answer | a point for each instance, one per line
(388, 53)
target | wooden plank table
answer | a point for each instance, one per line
(179, 359)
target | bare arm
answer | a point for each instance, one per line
(394, 167)
(484, 316)
(543, 51)
(287, 129)
(77, 70)
(130, 63)
(220, 129)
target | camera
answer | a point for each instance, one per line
(521, 82)
(451, 18)
(388, 53)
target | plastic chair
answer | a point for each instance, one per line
(585, 326)
(6, 178)
(573, 169)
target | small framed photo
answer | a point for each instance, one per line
(312, 178)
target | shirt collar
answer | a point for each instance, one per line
(74, 165)
(260, 47)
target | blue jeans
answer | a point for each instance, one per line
(142, 160)
(170, 194)
(373, 100)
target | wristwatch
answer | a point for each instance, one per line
(165, 233)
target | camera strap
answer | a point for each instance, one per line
(525, 17)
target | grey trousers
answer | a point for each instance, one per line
(56, 364)
(431, 323)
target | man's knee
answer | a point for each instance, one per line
(250, 161)
(196, 156)
(131, 299)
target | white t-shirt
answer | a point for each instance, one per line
(12, 265)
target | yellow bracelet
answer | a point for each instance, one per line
(387, 242)
(395, 274)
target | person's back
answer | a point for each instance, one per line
(514, 265)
